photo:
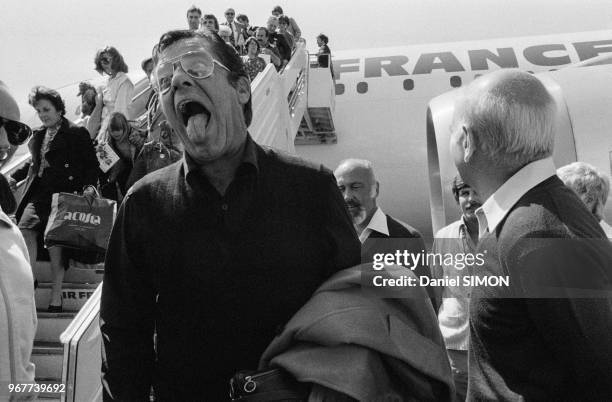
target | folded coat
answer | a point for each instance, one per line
(350, 339)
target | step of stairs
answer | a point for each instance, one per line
(51, 325)
(80, 281)
(77, 273)
(55, 383)
(48, 357)
(74, 295)
(316, 127)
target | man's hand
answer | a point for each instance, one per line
(90, 191)
(273, 58)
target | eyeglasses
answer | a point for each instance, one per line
(197, 64)
(16, 132)
(105, 60)
(229, 13)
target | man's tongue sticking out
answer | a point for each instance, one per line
(196, 125)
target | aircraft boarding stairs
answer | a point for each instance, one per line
(293, 107)
(80, 282)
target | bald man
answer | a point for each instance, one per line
(378, 232)
(547, 334)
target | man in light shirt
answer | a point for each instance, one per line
(238, 33)
(378, 232)
(591, 185)
(460, 237)
(546, 334)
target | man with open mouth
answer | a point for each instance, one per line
(215, 252)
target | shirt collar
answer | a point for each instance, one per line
(378, 223)
(249, 156)
(497, 206)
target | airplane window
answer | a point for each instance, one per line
(455, 81)
(408, 84)
(339, 89)
(362, 87)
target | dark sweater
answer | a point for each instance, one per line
(535, 348)
(402, 237)
(217, 276)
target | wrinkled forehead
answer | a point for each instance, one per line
(183, 46)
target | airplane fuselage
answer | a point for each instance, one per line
(382, 97)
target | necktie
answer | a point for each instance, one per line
(232, 37)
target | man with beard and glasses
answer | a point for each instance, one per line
(216, 252)
(458, 238)
(378, 232)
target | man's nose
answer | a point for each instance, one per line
(180, 78)
(347, 194)
(4, 143)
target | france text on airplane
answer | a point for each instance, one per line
(547, 55)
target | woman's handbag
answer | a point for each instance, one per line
(82, 222)
(269, 385)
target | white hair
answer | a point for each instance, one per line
(591, 185)
(512, 121)
(224, 30)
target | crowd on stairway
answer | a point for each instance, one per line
(128, 131)
(118, 138)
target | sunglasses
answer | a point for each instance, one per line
(16, 132)
(197, 64)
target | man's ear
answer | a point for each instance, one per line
(243, 88)
(469, 144)
(598, 210)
